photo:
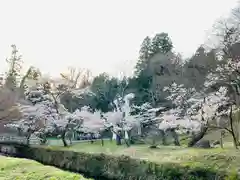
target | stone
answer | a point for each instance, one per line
(202, 144)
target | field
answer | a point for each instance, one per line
(227, 159)
(23, 169)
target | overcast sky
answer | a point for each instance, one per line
(102, 35)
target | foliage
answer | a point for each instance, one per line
(198, 66)
(15, 66)
(142, 84)
(144, 55)
(161, 43)
(40, 115)
(78, 98)
(105, 89)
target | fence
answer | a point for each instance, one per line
(12, 139)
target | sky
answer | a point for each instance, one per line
(103, 36)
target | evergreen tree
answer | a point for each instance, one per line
(161, 43)
(144, 54)
(143, 80)
(15, 66)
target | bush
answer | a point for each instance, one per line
(112, 167)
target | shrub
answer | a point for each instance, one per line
(113, 167)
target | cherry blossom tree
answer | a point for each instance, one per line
(120, 122)
(31, 122)
(227, 75)
(148, 124)
(41, 117)
(92, 124)
(210, 108)
(210, 111)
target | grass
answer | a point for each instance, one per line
(227, 159)
(23, 169)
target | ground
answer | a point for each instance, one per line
(23, 169)
(227, 159)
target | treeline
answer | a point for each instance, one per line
(158, 66)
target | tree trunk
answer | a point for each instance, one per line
(175, 137)
(235, 144)
(102, 141)
(91, 136)
(164, 141)
(23, 80)
(126, 138)
(28, 138)
(127, 142)
(237, 123)
(221, 139)
(198, 136)
(29, 133)
(19, 132)
(43, 139)
(235, 141)
(63, 139)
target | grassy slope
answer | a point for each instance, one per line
(221, 159)
(23, 169)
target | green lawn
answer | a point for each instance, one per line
(23, 169)
(221, 159)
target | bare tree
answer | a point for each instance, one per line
(72, 77)
(31, 73)
(9, 110)
(85, 79)
(8, 105)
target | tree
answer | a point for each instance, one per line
(119, 121)
(161, 43)
(86, 79)
(198, 66)
(74, 89)
(210, 108)
(32, 74)
(9, 110)
(227, 32)
(42, 117)
(35, 109)
(105, 88)
(30, 123)
(144, 55)
(209, 113)
(147, 124)
(78, 98)
(140, 87)
(15, 66)
(92, 124)
(155, 60)
(227, 75)
(72, 77)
